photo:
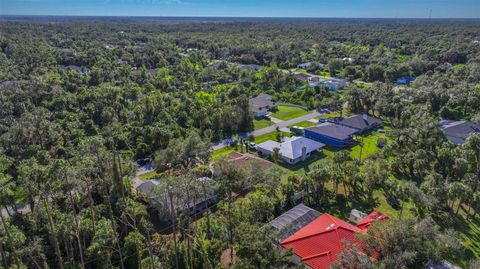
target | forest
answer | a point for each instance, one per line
(82, 101)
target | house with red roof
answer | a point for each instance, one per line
(320, 243)
(372, 217)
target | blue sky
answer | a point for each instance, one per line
(248, 8)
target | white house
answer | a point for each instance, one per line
(292, 150)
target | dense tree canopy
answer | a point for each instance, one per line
(81, 99)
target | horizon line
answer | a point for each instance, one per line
(233, 17)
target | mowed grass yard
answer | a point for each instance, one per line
(270, 136)
(304, 124)
(289, 112)
(261, 123)
(148, 176)
(223, 152)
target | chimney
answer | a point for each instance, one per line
(365, 117)
(304, 153)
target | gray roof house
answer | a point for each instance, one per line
(458, 131)
(331, 134)
(361, 122)
(292, 150)
(292, 221)
(261, 104)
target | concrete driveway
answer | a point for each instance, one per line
(283, 124)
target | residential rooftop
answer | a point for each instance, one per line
(292, 147)
(459, 129)
(333, 130)
(361, 122)
(261, 102)
(291, 221)
(320, 243)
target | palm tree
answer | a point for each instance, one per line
(276, 155)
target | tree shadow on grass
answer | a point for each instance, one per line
(468, 226)
(305, 165)
(341, 205)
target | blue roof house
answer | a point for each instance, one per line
(331, 134)
(405, 80)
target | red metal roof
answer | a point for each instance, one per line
(320, 242)
(368, 220)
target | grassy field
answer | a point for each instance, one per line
(148, 176)
(261, 123)
(369, 145)
(289, 112)
(216, 154)
(330, 115)
(323, 73)
(458, 67)
(270, 136)
(304, 124)
(303, 71)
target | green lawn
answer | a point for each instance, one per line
(468, 229)
(148, 176)
(458, 67)
(270, 136)
(303, 71)
(216, 154)
(304, 124)
(261, 123)
(334, 114)
(369, 145)
(289, 112)
(323, 73)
